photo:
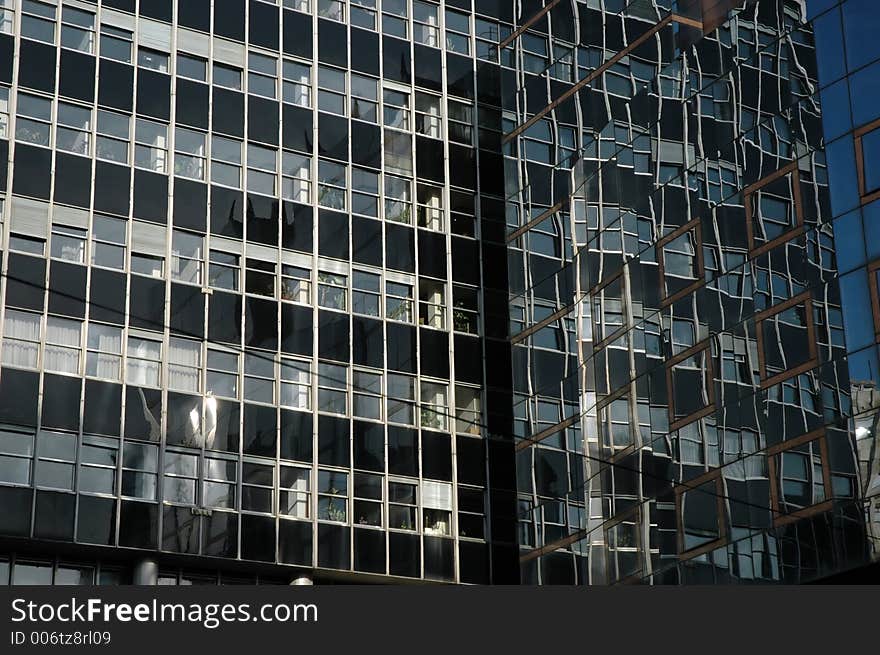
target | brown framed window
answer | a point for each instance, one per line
(800, 477)
(874, 286)
(786, 336)
(690, 384)
(680, 258)
(774, 212)
(867, 145)
(700, 512)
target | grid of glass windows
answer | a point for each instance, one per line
(252, 255)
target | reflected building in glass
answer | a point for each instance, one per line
(683, 405)
(464, 291)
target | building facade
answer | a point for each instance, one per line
(683, 332)
(849, 85)
(402, 290)
(242, 290)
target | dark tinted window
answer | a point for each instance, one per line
(296, 227)
(334, 551)
(229, 19)
(115, 82)
(190, 204)
(263, 25)
(36, 66)
(260, 427)
(153, 94)
(228, 112)
(296, 436)
(402, 451)
(151, 196)
(103, 404)
(333, 441)
(369, 446)
(192, 103)
(32, 167)
(137, 524)
(77, 79)
(67, 289)
(61, 396)
(73, 180)
(295, 542)
(195, 14)
(18, 397)
(158, 9)
(369, 551)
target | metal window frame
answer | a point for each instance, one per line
(693, 485)
(797, 230)
(805, 299)
(780, 518)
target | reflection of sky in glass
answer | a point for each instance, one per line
(861, 22)
(846, 43)
(865, 94)
(871, 154)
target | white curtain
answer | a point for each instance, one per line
(22, 325)
(21, 336)
(143, 362)
(436, 495)
(108, 341)
(63, 332)
(62, 345)
(185, 358)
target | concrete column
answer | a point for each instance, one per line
(146, 572)
(304, 579)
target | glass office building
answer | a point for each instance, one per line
(849, 81)
(394, 290)
(681, 372)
